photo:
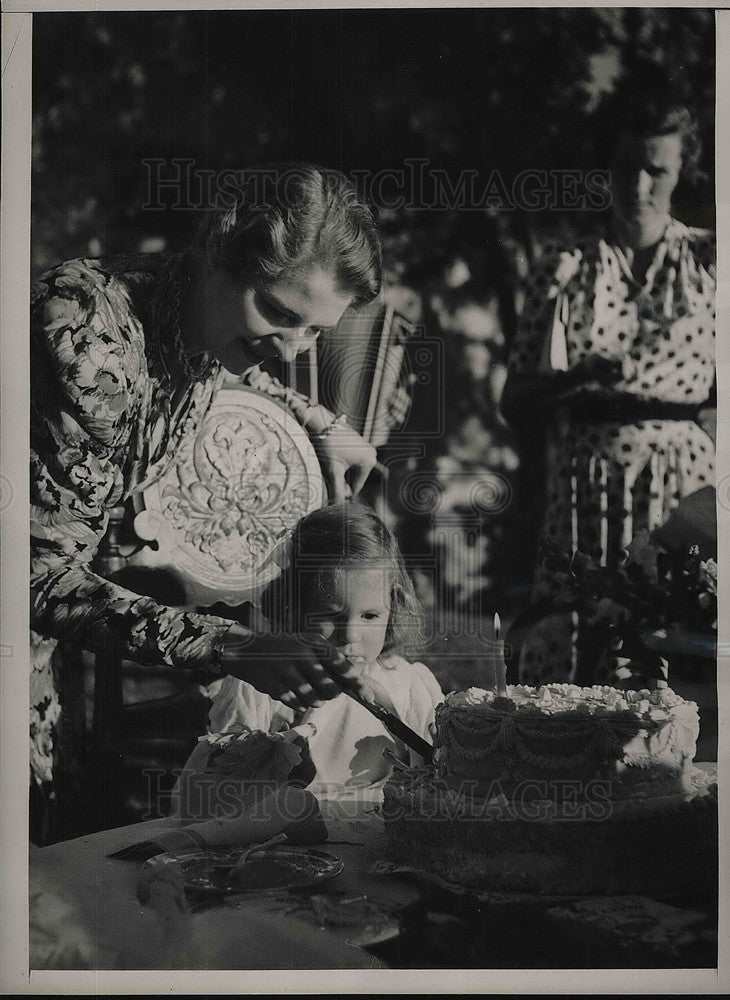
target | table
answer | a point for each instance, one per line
(114, 930)
(417, 923)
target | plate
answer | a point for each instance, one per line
(356, 919)
(271, 869)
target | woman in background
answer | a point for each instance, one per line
(616, 354)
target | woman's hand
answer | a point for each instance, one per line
(288, 668)
(600, 369)
(528, 396)
(346, 458)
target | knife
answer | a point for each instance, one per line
(338, 662)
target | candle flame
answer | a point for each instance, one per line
(500, 667)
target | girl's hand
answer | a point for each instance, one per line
(347, 459)
(286, 667)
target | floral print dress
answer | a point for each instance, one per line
(609, 475)
(104, 423)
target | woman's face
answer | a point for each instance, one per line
(644, 174)
(244, 324)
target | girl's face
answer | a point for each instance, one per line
(244, 324)
(352, 612)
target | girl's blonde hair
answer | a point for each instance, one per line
(343, 536)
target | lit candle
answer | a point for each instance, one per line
(500, 667)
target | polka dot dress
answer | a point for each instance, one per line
(606, 479)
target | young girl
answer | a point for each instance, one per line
(346, 581)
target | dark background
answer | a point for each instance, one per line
(357, 90)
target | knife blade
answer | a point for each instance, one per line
(335, 665)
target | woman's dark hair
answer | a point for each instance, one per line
(346, 535)
(290, 216)
(646, 111)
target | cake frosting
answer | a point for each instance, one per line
(559, 790)
(537, 739)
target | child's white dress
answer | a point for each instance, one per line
(348, 743)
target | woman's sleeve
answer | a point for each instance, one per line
(536, 316)
(87, 370)
(426, 694)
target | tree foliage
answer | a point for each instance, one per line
(465, 90)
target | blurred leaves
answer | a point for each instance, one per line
(359, 90)
(651, 588)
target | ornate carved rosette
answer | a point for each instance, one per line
(233, 490)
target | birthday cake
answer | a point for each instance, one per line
(559, 790)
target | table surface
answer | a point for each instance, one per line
(261, 932)
(283, 931)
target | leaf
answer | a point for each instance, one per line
(644, 553)
(258, 757)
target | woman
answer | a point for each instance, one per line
(128, 354)
(615, 354)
